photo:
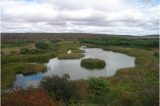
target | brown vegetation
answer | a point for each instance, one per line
(28, 98)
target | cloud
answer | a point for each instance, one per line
(89, 16)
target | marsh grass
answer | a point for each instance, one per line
(70, 56)
(40, 58)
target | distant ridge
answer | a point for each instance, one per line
(5, 37)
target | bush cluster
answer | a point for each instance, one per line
(90, 63)
(30, 51)
(41, 45)
(59, 87)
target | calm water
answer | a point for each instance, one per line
(114, 61)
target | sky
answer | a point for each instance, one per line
(125, 17)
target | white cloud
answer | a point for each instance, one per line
(90, 16)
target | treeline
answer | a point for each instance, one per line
(125, 42)
(12, 37)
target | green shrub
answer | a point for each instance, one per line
(90, 63)
(156, 54)
(41, 45)
(30, 51)
(13, 52)
(100, 88)
(24, 51)
(59, 87)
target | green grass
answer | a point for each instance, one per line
(90, 63)
(15, 44)
(64, 46)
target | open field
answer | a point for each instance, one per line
(136, 86)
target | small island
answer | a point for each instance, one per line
(91, 63)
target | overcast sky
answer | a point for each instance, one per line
(133, 17)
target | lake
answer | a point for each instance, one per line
(114, 61)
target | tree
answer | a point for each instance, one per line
(41, 45)
(59, 87)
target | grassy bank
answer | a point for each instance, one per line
(70, 56)
(9, 71)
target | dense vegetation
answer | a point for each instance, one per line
(28, 97)
(59, 87)
(136, 86)
(41, 45)
(100, 90)
(138, 43)
(13, 37)
(90, 63)
(39, 58)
